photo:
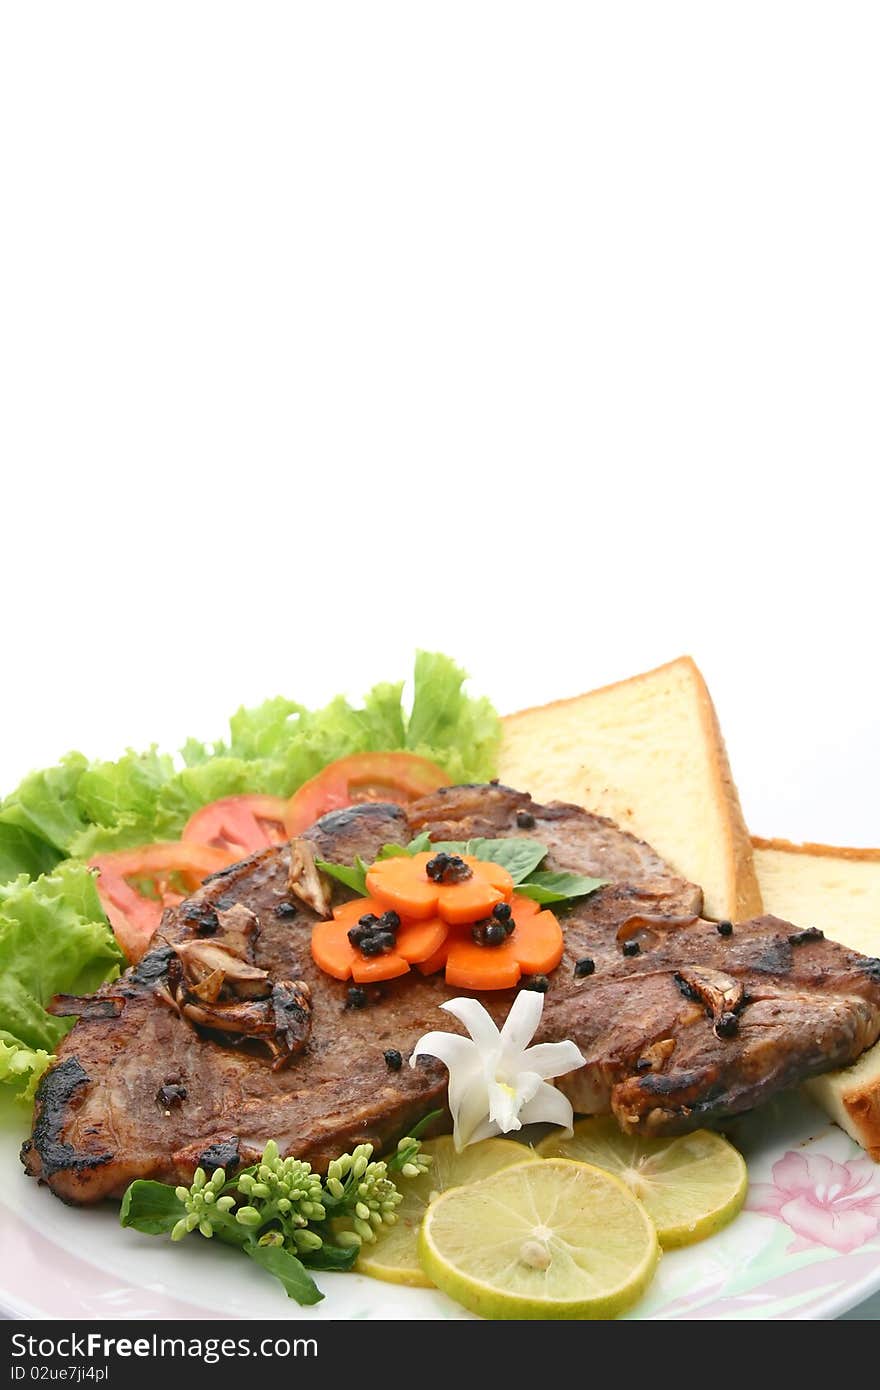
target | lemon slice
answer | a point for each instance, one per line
(394, 1257)
(546, 1239)
(691, 1185)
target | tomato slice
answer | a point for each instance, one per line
(398, 777)
(135, 915)
(244, 824)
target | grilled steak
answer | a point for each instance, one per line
(693, 1026)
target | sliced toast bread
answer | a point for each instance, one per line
(648, 753)
(837, 890)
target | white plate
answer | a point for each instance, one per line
(807, 1246)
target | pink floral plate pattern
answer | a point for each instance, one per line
(836, 1205)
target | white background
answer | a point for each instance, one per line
(543, 334)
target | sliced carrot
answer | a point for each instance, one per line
(495, 874)
(537, 942)
(332, 951)
(469, 966)
(523, 907)
(403, 885)
(435, 962)
(352, 912)
(534, 948)
(418, 941)
(468, 901)
(385, 967)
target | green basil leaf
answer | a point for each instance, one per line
(151, 1207)
(292, 1273)
(417, 846)
(518, 856)
(450, 847)
(331, 1257)
(353, 876)
(420, 844)
(558, 887)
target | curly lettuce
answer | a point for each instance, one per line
(54, 939)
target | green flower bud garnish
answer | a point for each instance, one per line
(281, 1213)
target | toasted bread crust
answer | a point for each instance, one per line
(743, 887)
(866, 856)
(858, 1098)
(744, 880)
(606, 689)
(863, 1108)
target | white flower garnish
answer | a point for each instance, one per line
(496, 1082)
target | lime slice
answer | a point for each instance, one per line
(691, 1185)
(394, 1257)
(550, 1239)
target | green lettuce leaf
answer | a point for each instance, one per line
(54, 939)
(45, 803)
(460, 733)
(20, 1065)
(24, 853)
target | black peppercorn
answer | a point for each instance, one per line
(643, 1065)
(436, 867)
(457, 870)
(370, 945)
(393, 1059)
(585, 966)
(501, 912)
(371, 935)
(356, 998)
(631, 948)
(448, 868)
(724, 928)
(539, 983)
(285, 910)
(525, 820)
(727, 1025)
(488, 933)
